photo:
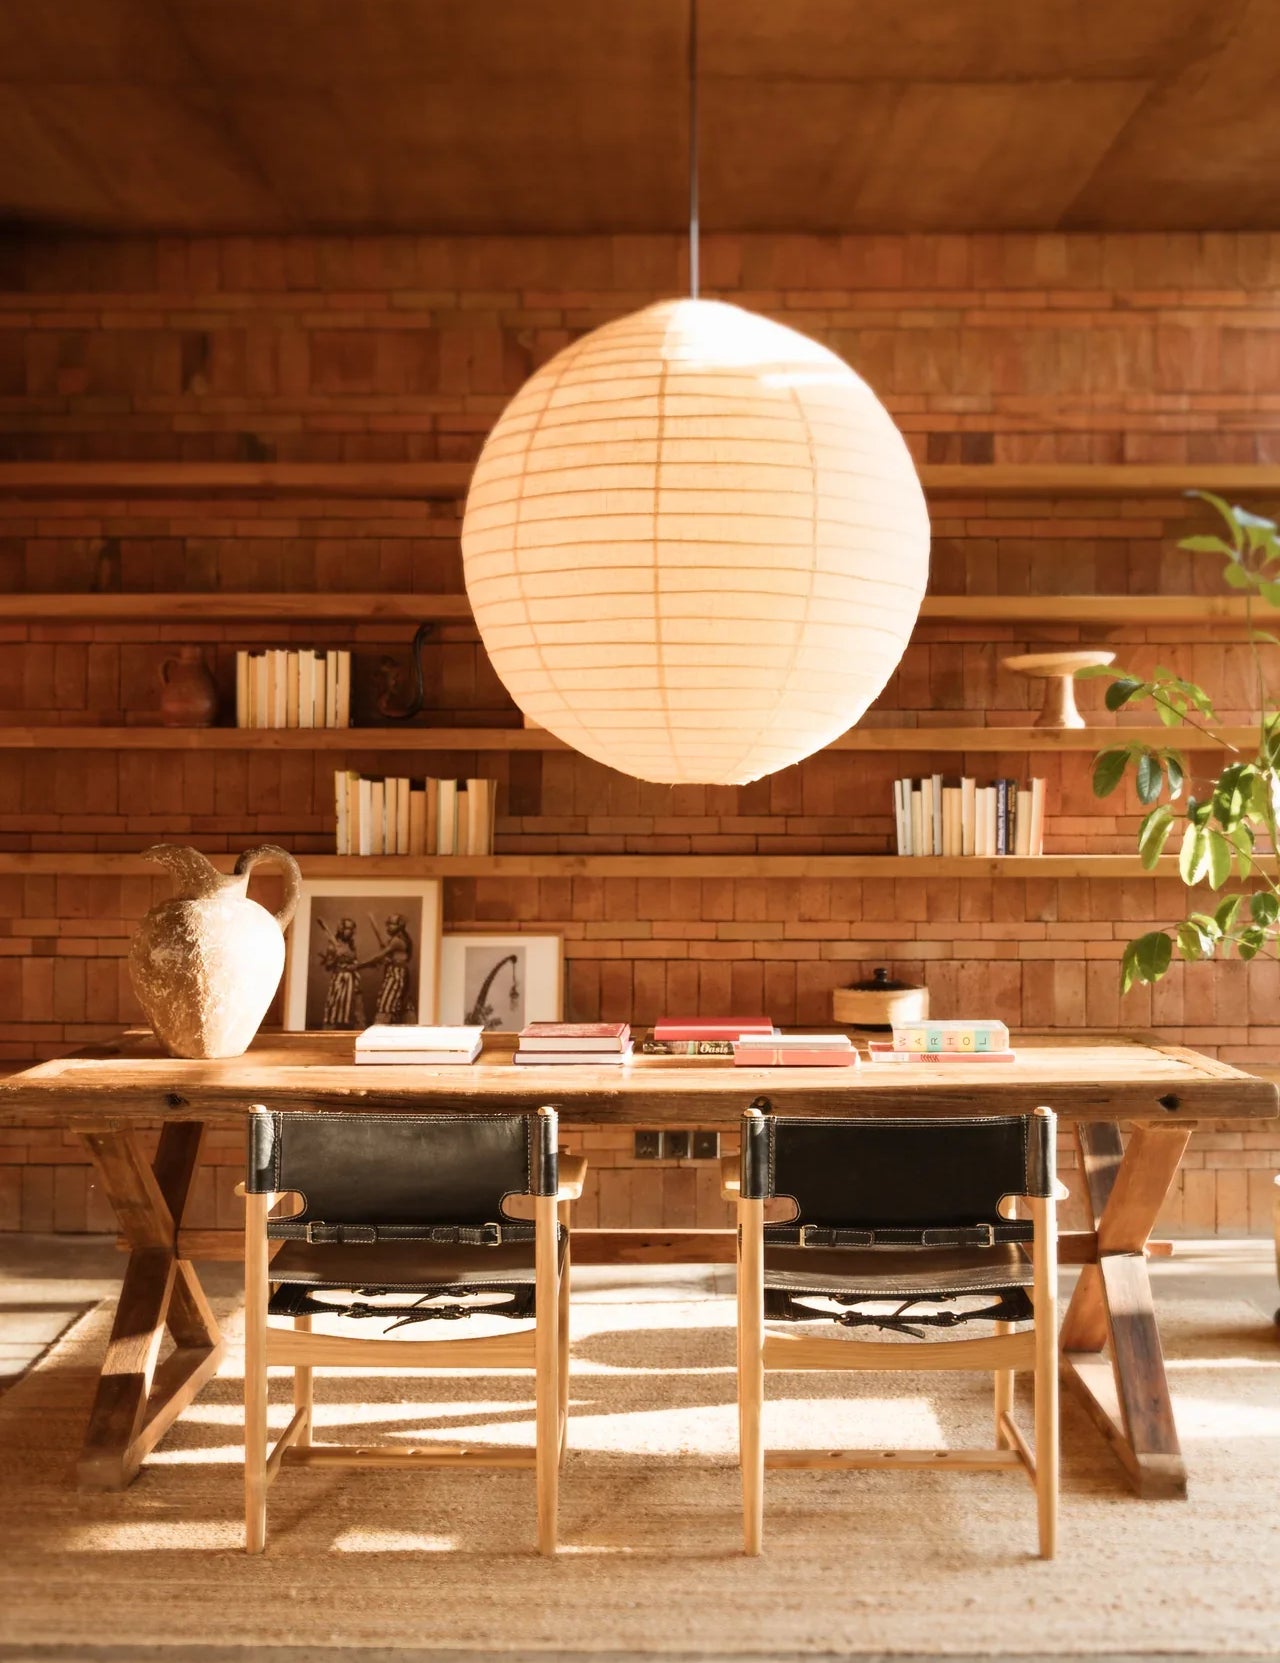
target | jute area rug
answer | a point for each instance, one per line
(854, 1562)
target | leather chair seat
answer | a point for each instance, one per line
(410, 1264)
(425, 1268)
(884, 1272)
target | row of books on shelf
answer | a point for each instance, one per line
(747, 1042)
(279, 688)
(379, 816)
(937, 816)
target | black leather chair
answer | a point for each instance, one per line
(905, 1226)
(405, 1220)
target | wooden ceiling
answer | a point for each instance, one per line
(570, 115)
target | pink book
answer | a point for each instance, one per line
(785, 1055)
(711, 1027)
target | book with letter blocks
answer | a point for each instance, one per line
(968, 1037)
(882, 1050)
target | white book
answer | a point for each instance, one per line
(242, 689)
(992, 819)
(402, 817)
(917, 819)
(385, 1036)
(968, 816)
(980, 822)
(366, 817)
(344, 691)
(306, 690)
(417, 820)
(293, 673)
(937, 814)
(447, 824)
(1037, 817)
(331, 689)
(280, 688)
(261, 690)
(1022, 824)
(341, 845)
(926, 816)
(898, 839)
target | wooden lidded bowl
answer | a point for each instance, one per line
(879, 1003)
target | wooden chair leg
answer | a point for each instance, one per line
(751, 1371)
(1003, 1393)
(303, 1390)
(563, 1354)
(547, 1373)
(1046, 1376)
(255, 1373)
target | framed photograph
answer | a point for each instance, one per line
(501, 981)
(363, 950)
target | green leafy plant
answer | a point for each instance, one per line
(1228, 826)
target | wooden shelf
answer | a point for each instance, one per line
(629, 866)
(449, 479)
(932, 739)
(216, 607)
(211, 608)
(441, 480)
(1085, 609)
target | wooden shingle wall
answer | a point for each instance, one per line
(1007, 349)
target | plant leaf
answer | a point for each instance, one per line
(1173, 768)
(1150, 777)
(1153, 954)
(1120, 692)
(1225, 914)
(1264, 907)
(1193, 856)
(1108, 771)
(1219, 859)
(1154, 834)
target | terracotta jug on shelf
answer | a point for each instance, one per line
(188, 696)
(206, 963)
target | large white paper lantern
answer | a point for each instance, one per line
(695, 545)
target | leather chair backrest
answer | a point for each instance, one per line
(869, 1173)
(368, 1168)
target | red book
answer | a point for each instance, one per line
(711, 1027)
(575, 1036)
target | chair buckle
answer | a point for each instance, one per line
(808, 1231)
(491, 1235)
(321, 1234)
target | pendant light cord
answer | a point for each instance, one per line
(693, 149)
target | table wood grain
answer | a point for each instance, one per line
(1082, 1076)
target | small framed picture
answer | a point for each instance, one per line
(363, 950)
(501, 981)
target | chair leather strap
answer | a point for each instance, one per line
(317, 1232)
(965, 1235)
(786, 1305)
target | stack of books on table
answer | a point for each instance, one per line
(937, 816)
(377, 816)
(385, 1043)
(592, 1044)
(795, 1051)
(283, 689)
(702, 1037)
(941, 1042)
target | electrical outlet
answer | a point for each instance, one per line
(706, 1146)
(675, 1146)
(648, 1146)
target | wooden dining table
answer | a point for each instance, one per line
(1131, 1099)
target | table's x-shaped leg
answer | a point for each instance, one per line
(1111, 1356)
(137, 1402)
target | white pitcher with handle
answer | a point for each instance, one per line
(206, 963)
